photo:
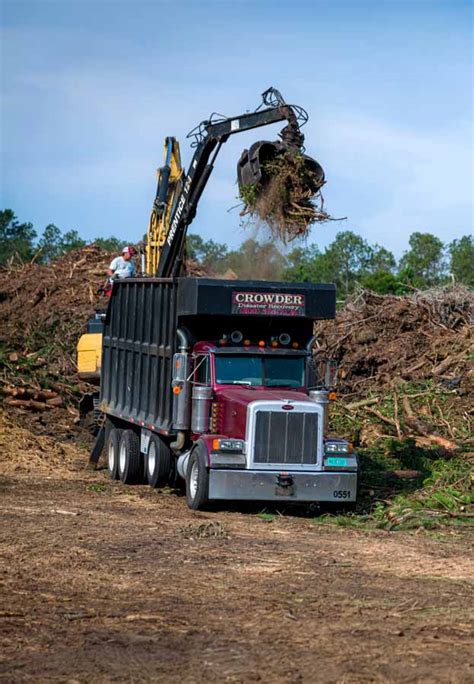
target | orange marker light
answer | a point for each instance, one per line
(215, 444)
(295, 345)
(274, 343)
(332, 396)
(247, 343)
(176, 390)
(261, 343)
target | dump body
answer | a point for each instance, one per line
(140, 338)
(213, 380)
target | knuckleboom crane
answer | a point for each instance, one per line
(178, 194)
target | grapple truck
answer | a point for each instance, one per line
(212, 381)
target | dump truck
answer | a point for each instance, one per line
(211, 381)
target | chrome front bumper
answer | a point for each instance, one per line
(252, 485)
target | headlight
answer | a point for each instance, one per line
(338, 448)
(237, 445)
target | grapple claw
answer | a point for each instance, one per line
(251, 165)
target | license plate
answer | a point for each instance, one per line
(336, 461)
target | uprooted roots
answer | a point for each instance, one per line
(286, 200)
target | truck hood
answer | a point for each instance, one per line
(233, 402)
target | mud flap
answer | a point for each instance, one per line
(96, 449)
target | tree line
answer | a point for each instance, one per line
(20, 241)
(348, 261)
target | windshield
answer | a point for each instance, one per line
(269, 371)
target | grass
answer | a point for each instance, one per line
(440, 496)
(266, 517)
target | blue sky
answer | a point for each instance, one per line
(90, 89)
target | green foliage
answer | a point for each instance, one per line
(71, 240)
(248, 194)
(445, 497)
(424, 260)
(110, 244)
(349, 256)
(307, 266)
(440, 496)
(16, 239)
(462, 260)
(207, 252)
(347, 261)
(384, 282)
(50, 243)
(54, 244)
(266, 517)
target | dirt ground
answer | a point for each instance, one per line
(106, 583)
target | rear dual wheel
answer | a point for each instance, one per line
(112, 452)
(129, 457)
(158, 462)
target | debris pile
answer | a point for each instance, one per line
(287, 199)
(23, 451)
(43, 311)
(405, 364)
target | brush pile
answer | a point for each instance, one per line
(405, 363)
(288, 199)
(43, 312)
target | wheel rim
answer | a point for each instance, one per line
(193, 479)
(151, 458)
(122, 457)
(111, 456)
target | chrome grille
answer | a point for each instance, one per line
(286, 437)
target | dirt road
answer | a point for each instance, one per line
(102, 582)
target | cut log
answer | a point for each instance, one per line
(45, 395)
(447, 363)
(28, 404)
(55, 401)
(425, 430)
(381, 417)
(364, 402)
(403, 474)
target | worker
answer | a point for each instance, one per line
(122, 266)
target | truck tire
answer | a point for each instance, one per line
(112, 452)
(197, 479)
(158, 462)
(129, 457)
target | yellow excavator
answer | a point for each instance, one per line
(169, 176)
(177, 196)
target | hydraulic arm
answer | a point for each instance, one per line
(177, 195)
